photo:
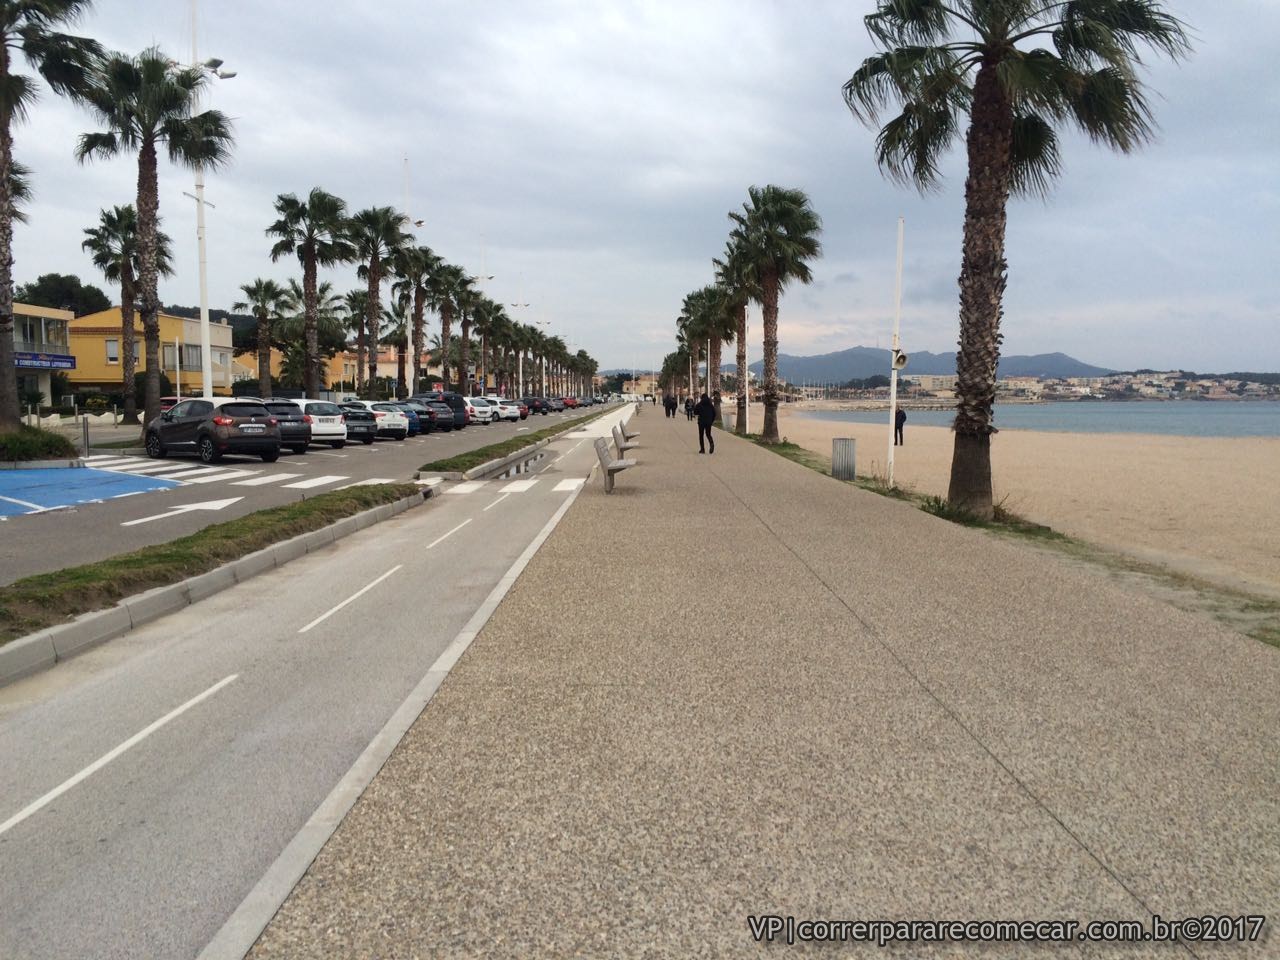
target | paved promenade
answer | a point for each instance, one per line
(735, 687)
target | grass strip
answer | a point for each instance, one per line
(134, 441)
(1247, 613)
(32, 443)
(49, 599)
(474, 458)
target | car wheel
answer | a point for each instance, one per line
(301, 449)
(154, 447)
(368, 441)
(337, 444)
(271, 457)
(208, 452)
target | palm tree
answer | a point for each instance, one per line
(65, 62)
(396, 334)
(735, 274)
(315, 231)
(113, 245)
(446, 281)
(778, 232)
(378, 235)
(268, 301)
(289, 335)
(356, 304)
(415, 266)
(466, 298)
(1014, 98)
(144, 101)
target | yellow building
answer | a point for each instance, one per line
(95, 344)
(40, 347)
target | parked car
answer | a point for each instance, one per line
(167, 403)
(537, 405)
(556, 404)
(213, 427)
(295, 426)
(441, 415)
(455, 401)
(360, 422)
(390, 422)
(415, 424)
(524, 409)
(328, 425)
(569, 402)
(504, 409)
(481, 412)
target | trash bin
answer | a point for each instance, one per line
(842, 454)
(728, 420)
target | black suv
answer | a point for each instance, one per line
(210, 428)
(295, 426)
(454, 400)
(536, 405)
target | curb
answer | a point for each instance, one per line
(119, 451)
(40, 651)
(493, 466)
(40, 464)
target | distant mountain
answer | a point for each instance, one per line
(858, 363)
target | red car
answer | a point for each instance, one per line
(524, 410)
(570, 402)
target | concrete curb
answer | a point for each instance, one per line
(40, 651)
(119, 451)
(501, 463)
(40, 464)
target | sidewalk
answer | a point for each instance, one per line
(737, 687)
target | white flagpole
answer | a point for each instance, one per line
(893, 366)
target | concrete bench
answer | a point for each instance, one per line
(608, 465)
(628, 434)
(621, 442)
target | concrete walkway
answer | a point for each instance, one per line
(736, 687)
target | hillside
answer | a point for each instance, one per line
(858, 363)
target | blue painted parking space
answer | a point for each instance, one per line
(33, 491)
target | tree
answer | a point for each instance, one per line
(113, 245)
(314, 230)
(144, 101)
(268, 301)
(1014, 97)
(778, 234)
(63, 291)
(397, 335)
(415, 266)
(65, 63)
(466, 298)
(736, 275)
(377, 233)
(356, 304)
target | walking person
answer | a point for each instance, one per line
(688, 408)
(898, 420)
(706, 411)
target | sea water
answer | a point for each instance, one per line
(1187, 418)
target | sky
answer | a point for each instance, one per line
(586, 155)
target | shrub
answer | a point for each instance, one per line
(96, 404)
(32, 398)
(32, 443)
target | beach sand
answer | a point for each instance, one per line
(1204, 506)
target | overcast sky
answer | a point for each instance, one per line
(586, 155)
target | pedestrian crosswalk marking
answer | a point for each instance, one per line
(469, 486)
(366, 483)
(566, 486)
(430, 482)
(518, 486)
(269, 478)
(219, 475)
(313, 482)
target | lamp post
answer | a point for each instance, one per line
(898, 360)
(519, 364)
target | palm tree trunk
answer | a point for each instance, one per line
(128, 345)
(742, 371)
(715, 371)
(373, 307)
(10, 412)
(310, 327)
(401, 393)
(770, 310)
(264, 354)
(148, 211)
(464, 355)
(446, 324)
(361, 349)
(982, 281)
(419, 311)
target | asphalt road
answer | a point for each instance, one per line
(271, 690)
(40, 542)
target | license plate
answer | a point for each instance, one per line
(328, 419)
(252, 428)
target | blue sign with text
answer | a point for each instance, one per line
(44, 361)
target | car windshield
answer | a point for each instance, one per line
(387, 408)
(242, 410)
(479, 402)
(323, 410)
(285, 409)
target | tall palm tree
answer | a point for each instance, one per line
(1015, 94)
(778, 232)
(415, 266)
(268, 301)
(65, 62)
(144, 101)
(289, 335)
(377, 233)
(113, 245)
(446, 281)
(466, 298)
(314, 230)
(396, 334)
(356, 304)
(736, 275)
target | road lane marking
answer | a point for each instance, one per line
(106, 758)
(322, 453)
(567, 452)
(564, 486)
(314, 482)
(469, 486)
(449, 534)
(221, 475)
(269, 478)
(184, 508)
(495, 503)
(518, 486)
(355, 596)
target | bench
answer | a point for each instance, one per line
(628, 434)
(621, 442)
(608, 465)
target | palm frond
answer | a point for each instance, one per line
(91, 146)
(1034, 155)
(1110, 107)
(203, 140)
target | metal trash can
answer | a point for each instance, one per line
(842, 458)
(728, 420)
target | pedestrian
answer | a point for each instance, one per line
(688, 408)
(706, 411)
(898, 420)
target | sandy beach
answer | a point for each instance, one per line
(1204, 506)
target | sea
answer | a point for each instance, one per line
(1182, 418)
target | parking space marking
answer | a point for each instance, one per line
(567, 486)
(219, 475)
(269, 478)
(314, 482)
(518, 486)
(355, 596)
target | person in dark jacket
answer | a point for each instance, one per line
(898, 420)
(706, 411)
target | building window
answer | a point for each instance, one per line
(113, 351)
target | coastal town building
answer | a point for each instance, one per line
(40, 347)
(95, 345)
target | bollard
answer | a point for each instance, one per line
(84, 422)
(728, 419)
(842, 458)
